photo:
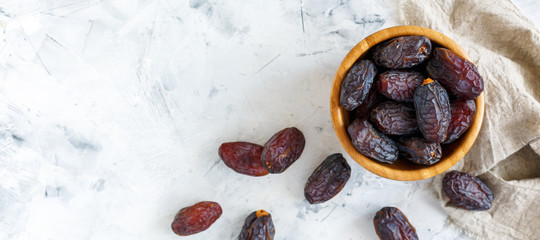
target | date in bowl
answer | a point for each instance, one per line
(401, 170)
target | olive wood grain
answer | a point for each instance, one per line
(401, 170)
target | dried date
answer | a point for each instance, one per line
(356, 84)
(419, 151)
(402, 52)
(466, 191)
(364, 109)
(243, 157)
(462, 112)
(328, 179)
(283, 149)
(432, 110)
(399, 85)
(394, 118)
(391, 224)
(258, 226)
(196, 218)
(458, 75)
(372, 143)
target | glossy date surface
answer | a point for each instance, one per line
(283, 149)
(357, 84)
(258, 226)
(463, 112)
(394, 118)
(371, 100)
(458, 75)
(402, 52)
(419, 150)
(399, 85)
(391, 224)
(243, 157)
(466, 191)
(328, 179)
(371, 143)
(432, 107)
(196, 218)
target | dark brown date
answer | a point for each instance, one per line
(328, 179)
(258, 226)
(402, 52)
(243, 157)
(462, 112)
(356, 84)
(363, 110)
(283, 149)
(394, 118)
(372, 143)
(399, 85)
(467, 191)
(419, 151)
(432, 110)
(458, 75)
(391, 224)
(196, 218)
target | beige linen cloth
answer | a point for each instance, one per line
(505, 46)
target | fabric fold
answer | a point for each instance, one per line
(505, 46)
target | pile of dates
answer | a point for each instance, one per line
(407, 97)
(405, 100)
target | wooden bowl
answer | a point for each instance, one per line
(401, 170)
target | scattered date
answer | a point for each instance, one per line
(432, 110)
(356, 84)
(372, 143)
(196, 218)
(258, 226)
(419, 150)
(328, 179)
(458, 75)
(243, 157)
(391, 224)
(394, 118)
(399, 85)
(402, 52)
(466, 191)
(282, 150)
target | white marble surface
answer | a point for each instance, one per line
(111, 113)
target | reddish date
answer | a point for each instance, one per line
(243, 157)
(458, 75)
(419, 151)
(402, 52)
(462, 112)
(356, 84)
(391, 224)
(394, 118)
(466, 191)
(283, 149)
(371, 143)
(258, 226)
(399, 85)
(432, 110)
(196, 218)
(328, 179)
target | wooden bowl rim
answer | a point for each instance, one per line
(462, 146)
